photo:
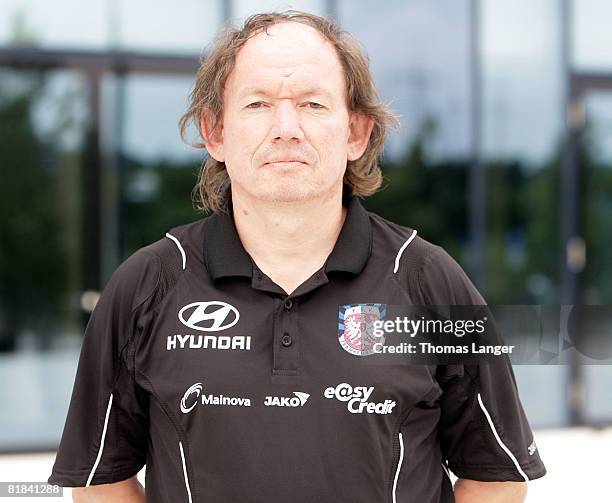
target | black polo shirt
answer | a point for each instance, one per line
(195, 363)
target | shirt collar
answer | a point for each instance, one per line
(224, 254)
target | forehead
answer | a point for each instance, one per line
(288, 52)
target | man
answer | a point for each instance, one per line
(232, 356)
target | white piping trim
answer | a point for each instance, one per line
(401, 250)
(178, 244)
(185, 471)
(447, 472)
(93, 469)
(499, 441)
(399, 465)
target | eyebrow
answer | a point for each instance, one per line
(249, 91)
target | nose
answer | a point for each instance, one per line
(286, 122)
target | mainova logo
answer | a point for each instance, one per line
(283, 401)
(357, 399)
(194, 394)
(211, 316)
(190, 398)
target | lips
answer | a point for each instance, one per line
(284, 160)
(285, 163)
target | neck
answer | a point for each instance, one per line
(289, 240)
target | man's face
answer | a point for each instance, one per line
(286, 131)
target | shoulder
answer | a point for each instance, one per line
(410, 250)
(152, 270)
(423, 266)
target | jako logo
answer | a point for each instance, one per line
(282, 401)
(209, 316)
(218, 400)
(197, 389)
(532, 448)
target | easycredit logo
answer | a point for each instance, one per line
(211, 316)
(357, 399)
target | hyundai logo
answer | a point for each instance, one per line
(209, 316)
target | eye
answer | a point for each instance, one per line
(316, 106)
(255, 104)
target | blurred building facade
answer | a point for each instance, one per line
(503, 157)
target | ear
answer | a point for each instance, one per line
(360, 129)
(212, 135)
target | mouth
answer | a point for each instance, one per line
(289, 163)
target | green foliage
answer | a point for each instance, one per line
(148, 219)
(32, 258)
(522, 219)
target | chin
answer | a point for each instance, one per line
(288, 193)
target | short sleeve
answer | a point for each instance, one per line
(484, 432)
(105, 435)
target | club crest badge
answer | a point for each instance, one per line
(356, 327)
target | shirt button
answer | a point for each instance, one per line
(286, 340)
(288, 304)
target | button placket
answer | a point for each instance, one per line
(285, 343)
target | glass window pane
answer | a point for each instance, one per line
(41, 264)
(596, 169)
(592, 34)
(179, 26)
(523, 87)
(599, 126)
(420, 74)
(244, 8)
(595, 164)
(156, 170)
(152, 108)
(543, 394)
(598, 393)
(61, 23)
(139, 25)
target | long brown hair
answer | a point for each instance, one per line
(363, 176)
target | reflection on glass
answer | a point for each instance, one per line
(592, 34)
(183, 26)
(41, 251)
(154, 170)
(241, 9)
(421, 67)
(596, 169)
